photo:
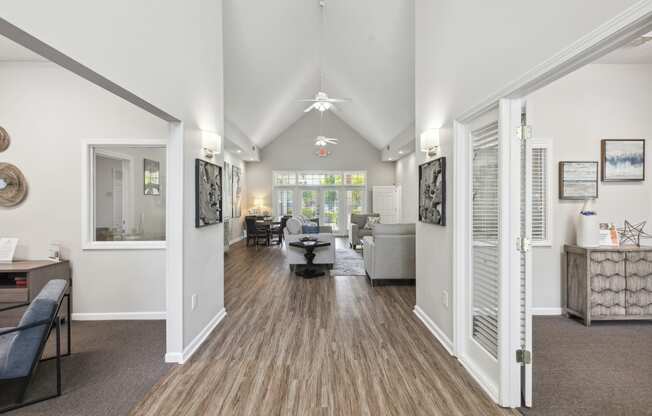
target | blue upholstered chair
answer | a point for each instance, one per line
(21, 347)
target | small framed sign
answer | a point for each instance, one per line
(578, 180)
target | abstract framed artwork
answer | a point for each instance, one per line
(623, 160)
(208, 193)
(152, 177)
(578, 180)
(432, 192)
(236, 188)
(227, 207)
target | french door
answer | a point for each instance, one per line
(493, 264)
(310, 202)
(331, 214)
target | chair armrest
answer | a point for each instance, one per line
(353, 231)
(21, 328)
(325, 229)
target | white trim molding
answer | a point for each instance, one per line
(434, 330)
(194, 345)
(554, 311)
(486, 384)
(119, 316)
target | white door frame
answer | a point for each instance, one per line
(620, 30)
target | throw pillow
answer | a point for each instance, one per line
(293, 226)
(371, 221)
(310, 229)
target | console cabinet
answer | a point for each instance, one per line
(609, 283)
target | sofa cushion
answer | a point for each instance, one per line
(394, 229)
(364, 232)
(371, 221)
(310, 229)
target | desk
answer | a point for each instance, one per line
(36, 273)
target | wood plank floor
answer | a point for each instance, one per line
(326, 346)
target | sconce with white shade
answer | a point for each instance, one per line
(211, 143)
(429, 142)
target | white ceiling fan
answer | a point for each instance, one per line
(325, 141)
(321, 140)
(322, 102)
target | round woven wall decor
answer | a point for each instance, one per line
(13, 186)
(4, 140)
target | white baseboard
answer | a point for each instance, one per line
(547, 311)
(490, 388)
(197, 341)
(434, 329)
(235, 240)
(119, 316)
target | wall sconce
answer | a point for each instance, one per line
(211, 144)
(429, 141)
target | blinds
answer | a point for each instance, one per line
(485, 233)
(540, 194)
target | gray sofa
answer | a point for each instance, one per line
(390, 252)
(356, 228)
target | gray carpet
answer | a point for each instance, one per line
(602, 370)
(114, 364)
(348, 262)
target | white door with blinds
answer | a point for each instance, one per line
(483, 286)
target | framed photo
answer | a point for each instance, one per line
(578, 180)
(152, 177)
(208, 193)
(432, 192)
(623, 160)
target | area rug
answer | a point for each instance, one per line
(348, 262)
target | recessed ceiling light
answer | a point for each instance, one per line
(390, 158)
(400, 152)
(238, 151)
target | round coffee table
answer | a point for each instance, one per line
(309, 246)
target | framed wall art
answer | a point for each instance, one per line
(208, 193)
(578, 180)
(432, 192)
(623, 160)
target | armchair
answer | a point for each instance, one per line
(390, 252)
(356, 228)
(21, 347)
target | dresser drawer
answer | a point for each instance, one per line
(14, 295)
(608, 284)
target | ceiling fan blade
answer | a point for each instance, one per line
(307, 100)
(339, 100)
(307, 110)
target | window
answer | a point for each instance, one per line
(125, 191)
(355, 178)
(541, 212)
(319, 178)
(285, 202)
(285, 178)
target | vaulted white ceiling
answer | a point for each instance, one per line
(272, 55)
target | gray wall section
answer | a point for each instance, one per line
(48, 112)
(407, 176)
(294, 149)
(577, 112)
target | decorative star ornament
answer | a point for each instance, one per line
(633, 232)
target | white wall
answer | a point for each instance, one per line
(295, 149)
(465, 51)
(407, 176)
(237, 224)
(171, 56)
(577, 112)
(48, 112)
